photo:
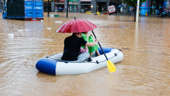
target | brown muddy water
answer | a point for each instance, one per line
(145, 70)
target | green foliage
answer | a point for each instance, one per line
(132, 2)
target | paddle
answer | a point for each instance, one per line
(111, 67)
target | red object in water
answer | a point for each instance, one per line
(76, 26)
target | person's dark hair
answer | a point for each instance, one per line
(84, 32)
(75, 33)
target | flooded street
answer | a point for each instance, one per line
(145, 70)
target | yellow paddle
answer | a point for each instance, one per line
(111, 67)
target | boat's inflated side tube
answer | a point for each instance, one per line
(46, 65)
(56, 67)
(106, 50)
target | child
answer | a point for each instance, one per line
(93, 49)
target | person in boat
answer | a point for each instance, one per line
(93, 50)
(72, 45)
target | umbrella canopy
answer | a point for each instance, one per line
(76, 26)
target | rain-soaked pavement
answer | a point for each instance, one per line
(145, 70)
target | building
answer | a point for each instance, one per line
(81, 5)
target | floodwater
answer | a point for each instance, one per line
(145, 70)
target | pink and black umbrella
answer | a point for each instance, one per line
(76, 26)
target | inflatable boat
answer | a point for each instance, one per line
(53, 65)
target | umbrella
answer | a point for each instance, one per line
(76, 26)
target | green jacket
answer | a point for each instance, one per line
(90, 40)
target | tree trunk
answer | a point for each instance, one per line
(135, 9)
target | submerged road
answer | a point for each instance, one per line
(145, 70)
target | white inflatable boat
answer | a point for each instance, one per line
(53, 66)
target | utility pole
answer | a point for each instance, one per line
(67, 7)
(48, 8)
(93, 8)
(52, 5)
(137, 11)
